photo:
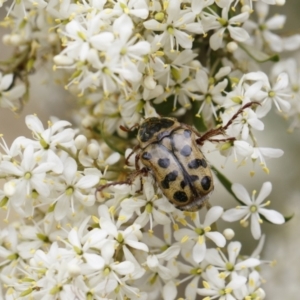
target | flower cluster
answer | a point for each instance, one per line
(93, 221)
(107, 252)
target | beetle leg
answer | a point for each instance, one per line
(135, 148)
(231, 139)
(221, 130)
(129, 181)
(126, 129)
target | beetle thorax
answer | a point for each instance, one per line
(154, 130)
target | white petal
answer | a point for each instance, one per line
(241, 193)
(56, 161)
(171, 252)
(94, 260)
(34, 123)
(255, 226)
(276, 22)
(160, 217)
(217, 238)
(169, 290)
(41, 187)
(212, 215)
(214, 258)
(109, 226)
(61, 208)
(272, 215)
(207, 292)
(102, 41)
(282, 82)
(264, 192)
(241, 18)
(239, 34)
(70, 170)
(6, 81)
(183, 39)
(199, 251)
(87, 181)
(248, 263)
(256, 124)
(124, 268)
(216, 39)
(234, 214)
(137, 245)
(234, 249)
(124, 26)
(237, 282)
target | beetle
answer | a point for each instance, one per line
(171, 152)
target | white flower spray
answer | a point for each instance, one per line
(124, 61)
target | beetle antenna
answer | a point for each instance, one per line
(238, 113)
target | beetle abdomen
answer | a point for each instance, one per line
(180, 169)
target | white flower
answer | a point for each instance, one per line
(83, 37)
(231, 264)
(277, 93)
(217, 287)
(149, 208)
(75, 189)
(262, 28)
(243, 124)
(178, 21)
(47, 140)
(29, 176)
(253, 208)
(262, 152)
(120, 238)
(200, 232)
(213, 21)
(251, 288)
(132, 7)
(210, 93)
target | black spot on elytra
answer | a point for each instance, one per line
(153, 125)
(206, 182)
(183, 183)
(194, 178)
(187, 133)
(186, 150)
(169, 177)
(146, 156)
(180, 196)
(196, 163)
(163, 162)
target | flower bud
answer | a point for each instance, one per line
(93, 150)
(228, 233)
(231, 47)
(80, 141)
(63, 60)
(15, 40)
(246, 8)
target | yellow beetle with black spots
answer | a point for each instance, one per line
(171, 152)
